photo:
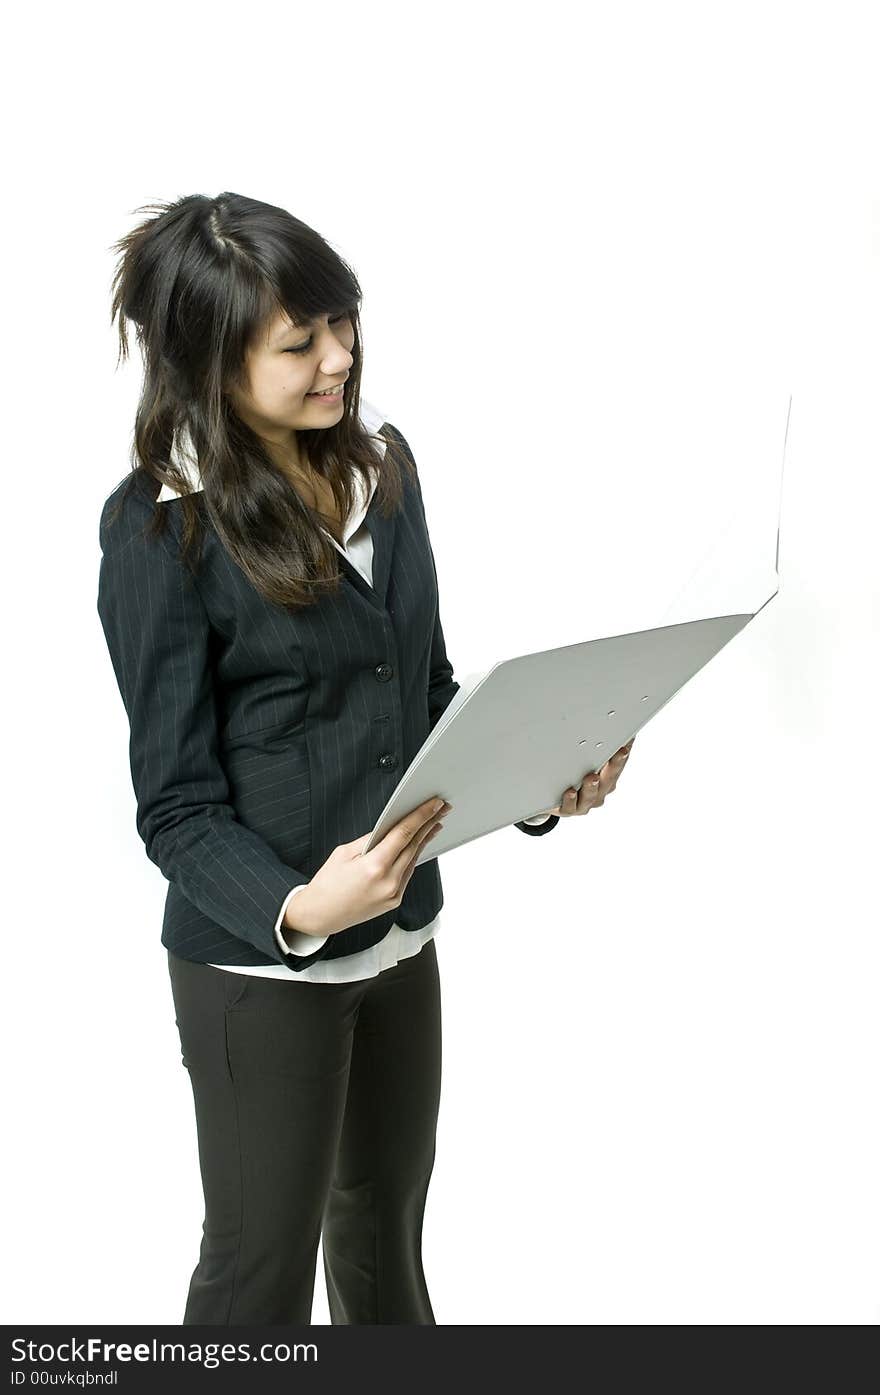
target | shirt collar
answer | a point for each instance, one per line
(184, 458)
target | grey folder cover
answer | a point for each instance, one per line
(515, 737)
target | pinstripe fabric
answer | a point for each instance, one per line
(259, 740)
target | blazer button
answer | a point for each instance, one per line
(384, 672)
(389, 761)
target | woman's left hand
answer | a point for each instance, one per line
(593, 788)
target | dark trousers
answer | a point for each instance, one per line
(316, 1113)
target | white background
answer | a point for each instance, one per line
(600, 246)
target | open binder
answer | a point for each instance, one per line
(513, 738)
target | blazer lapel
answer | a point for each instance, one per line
(381, 531)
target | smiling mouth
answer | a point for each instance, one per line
(328, 392)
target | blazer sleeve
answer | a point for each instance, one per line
(159, 637)
(536, 829)
(441, 684)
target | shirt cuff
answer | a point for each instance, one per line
(296, 941)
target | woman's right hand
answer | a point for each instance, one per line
(351, 887)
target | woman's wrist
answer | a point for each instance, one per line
(296, 915)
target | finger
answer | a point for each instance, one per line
(573, 800)
(404, 854)
(614, 770)
(607, 781)
(430, 811)
(391, 852)
(595, 786)
(416, 847)
(591, 792)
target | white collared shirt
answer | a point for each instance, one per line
(398, 943)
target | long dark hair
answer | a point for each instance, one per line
(199, 280)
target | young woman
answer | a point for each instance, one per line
(269, 599)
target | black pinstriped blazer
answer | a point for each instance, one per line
(260, 740)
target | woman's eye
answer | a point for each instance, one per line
(304, 348)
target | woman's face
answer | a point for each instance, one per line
(285, 367)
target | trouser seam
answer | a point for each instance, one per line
(237, 1266)
(369, 1045)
